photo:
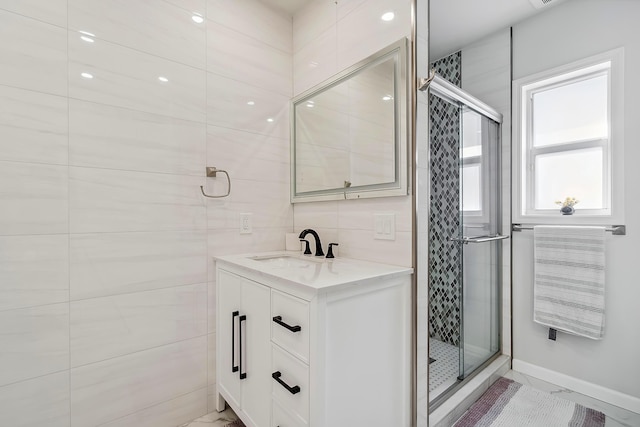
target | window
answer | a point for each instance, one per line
(567, 138)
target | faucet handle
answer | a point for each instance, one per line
(330, 251)
(307, 250)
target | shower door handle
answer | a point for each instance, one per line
(479, 239)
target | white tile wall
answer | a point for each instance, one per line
(105, 264)
(325, 43)
(34, 126)
(33, 54)
(34, 198)
(40, 401)
(34, 270)
(114, 388)
(101, 136)
(35, 342)
(107, 298)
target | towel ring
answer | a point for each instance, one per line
(211, 173)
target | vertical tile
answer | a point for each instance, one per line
(360, 244)
(247, 155)
(171, 413)
(115, 201)
(267, 202)
(235, 55)
(36, 402)
(34, 199)
(107, 327)
(109, 137)
(237, 105)
(255, 19)
(158, 28)
(35, 341)
(52, 11)
(211, 360)
(34, 270)
(33, 126)
(34, 54)
(312, 20)
(315, 62)
(115, 263)
(108, 390)
(229, 241)
(373, 33)
(128, 78)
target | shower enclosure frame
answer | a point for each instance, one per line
(455, 95)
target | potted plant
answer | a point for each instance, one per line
(567, 206)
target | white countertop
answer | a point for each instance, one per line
(314, 272)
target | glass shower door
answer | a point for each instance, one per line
(479, 240)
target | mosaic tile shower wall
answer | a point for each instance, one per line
(445, 256)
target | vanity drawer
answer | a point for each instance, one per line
(281, 418)
(290, 324)
(290, 383)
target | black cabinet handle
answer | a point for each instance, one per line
(293, 390)
(234, 367)
(243, 318)
(278, 320)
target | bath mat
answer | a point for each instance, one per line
(236, 423)
(508, 403)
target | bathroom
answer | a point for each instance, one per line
(111, 112)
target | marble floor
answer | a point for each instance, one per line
(213, 419)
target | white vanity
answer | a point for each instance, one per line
(311, 342)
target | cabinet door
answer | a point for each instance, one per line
(229, 291)
(256, 353)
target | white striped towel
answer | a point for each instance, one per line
(568, 291)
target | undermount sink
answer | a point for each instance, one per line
(286, 261)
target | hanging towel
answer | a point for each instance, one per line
(568, 291)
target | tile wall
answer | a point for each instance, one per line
(325, 43)
(107, 301)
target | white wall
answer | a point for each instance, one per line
(566, 33)
(106, 279)
(328, 38)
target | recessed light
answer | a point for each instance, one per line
(251, 103)
(87, 75)
(87, 39)
(388, 16)
(87, 33)
(197, 18)
(270, 120)
(387, 98)
(313, 64)
(163, 79)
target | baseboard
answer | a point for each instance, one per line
(604, 394)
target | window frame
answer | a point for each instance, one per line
(524, 154)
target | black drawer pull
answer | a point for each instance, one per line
(242, 318)
(293, 390)
(234, 367)
(278, 320)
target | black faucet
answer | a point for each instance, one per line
(319, 251)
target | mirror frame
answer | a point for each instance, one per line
(402, 121)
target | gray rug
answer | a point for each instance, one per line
(508, 403)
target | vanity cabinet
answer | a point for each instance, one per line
(321, 348)
(244, 344)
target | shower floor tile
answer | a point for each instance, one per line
(444, 371)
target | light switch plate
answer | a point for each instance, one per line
(246, 227)
(384, 226)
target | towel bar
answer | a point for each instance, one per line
(616, 230)
(211, 172)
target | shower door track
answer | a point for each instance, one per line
(452, 93)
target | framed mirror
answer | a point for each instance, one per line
(349, 134)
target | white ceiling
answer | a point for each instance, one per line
(455, 23)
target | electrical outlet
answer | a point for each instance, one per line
(384, 226)
(245, 223)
